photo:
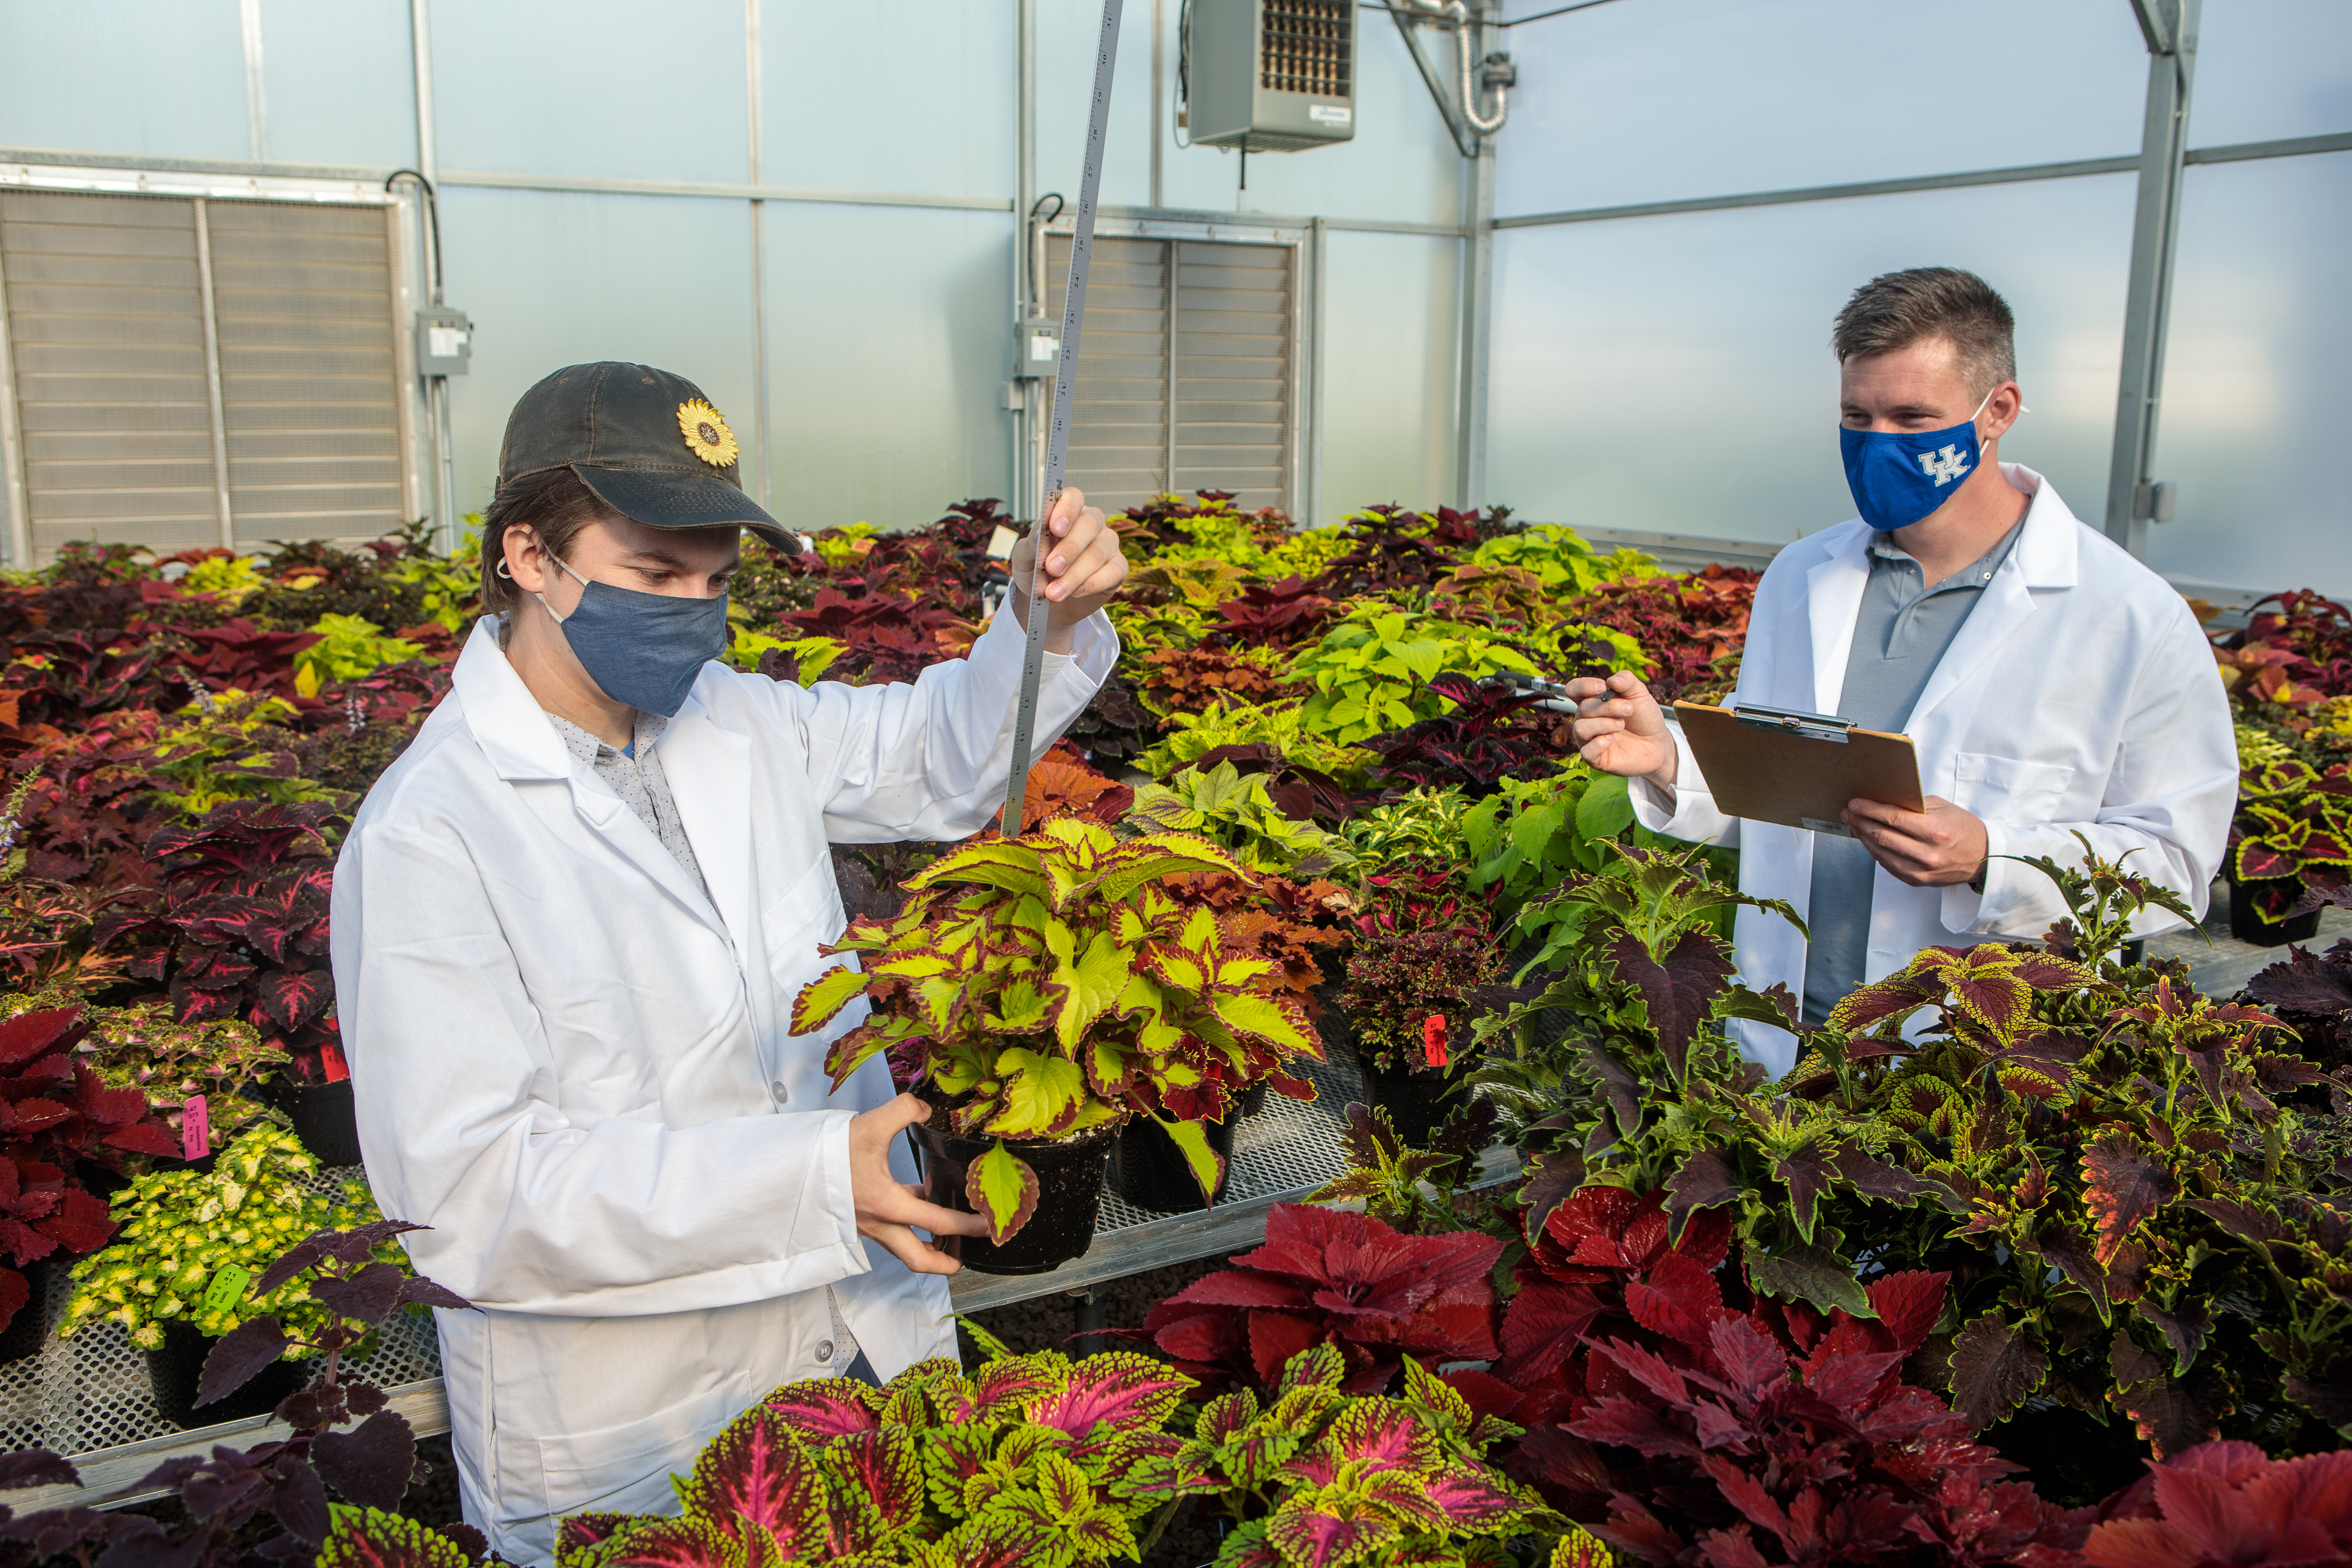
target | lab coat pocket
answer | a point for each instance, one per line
(626, 1469)
(2008, 789)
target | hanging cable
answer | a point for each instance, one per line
(432, 218)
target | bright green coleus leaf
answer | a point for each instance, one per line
(1020, 1008)
(1002, 1190)
(1208, 1166)
(821, 1000)
(1089, 981)
(1042, 1094)
(1255, 1016)
(1005, 863)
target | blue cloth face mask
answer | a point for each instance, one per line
(644, 650)
(1898, 476)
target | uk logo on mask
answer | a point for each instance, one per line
(1943, 467)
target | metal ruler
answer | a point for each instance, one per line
(1057, 447)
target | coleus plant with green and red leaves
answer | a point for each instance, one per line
(2291, 841)
(1061, 983)
(1314, 1476)
(1029, 1459)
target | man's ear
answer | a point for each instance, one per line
(526, 561)
(2001, 414)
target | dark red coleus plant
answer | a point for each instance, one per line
(53, 1110)
(242, 933)
(2229, 1505)
(1494, 733)
(1326, 1277)
(1282, 613)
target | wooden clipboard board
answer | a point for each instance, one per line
(1798, 770)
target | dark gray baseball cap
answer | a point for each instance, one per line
(647, 443)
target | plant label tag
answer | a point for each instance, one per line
(330, 1061)
(1433, 1039)
(1001, 543)
(195, 1129)
(1818, 826)
(227, 1288)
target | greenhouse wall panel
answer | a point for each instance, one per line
(2271, 68)
(1673, 374)
(885, 348)
(172, 83)
(938, 121)
(559, 279)
(1673, 99)
(337, 88)
(2255, 393)
(1389, 355)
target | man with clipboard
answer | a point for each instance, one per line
(2050, 683)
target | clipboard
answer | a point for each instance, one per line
(1776, 764)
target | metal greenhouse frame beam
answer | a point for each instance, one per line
(2169, 28)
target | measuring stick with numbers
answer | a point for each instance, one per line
(1057, 447)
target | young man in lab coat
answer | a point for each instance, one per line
(568, 927)
(2051, 683)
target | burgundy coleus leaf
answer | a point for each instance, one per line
(1678, 991)
(1542, 1327)
(1706, 1181)
(2124, 1184)
(80, 1224)
(368, 1295)
(371, 1464)
(2305, 982)
(288, 998)
(1994, 1366)
(32, 1035)
(756, 1475)
(1110, 1394)
(238, 1356)
(1678, 1299)
(1274, 1338)
(1807, 1173)
(1908, 1305)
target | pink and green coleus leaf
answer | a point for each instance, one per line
(757, 1475)
(1001, 1189)
(1372, 1434)
(689, 1542)
(1006, 1387)
(951, 1457)
(821, 1408)
(1316, 1366)
(997, 1541)
(874, 1484)
(1329, 1527)
(1117, 1392)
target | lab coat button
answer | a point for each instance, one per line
(778, 1090)
(825, 1352)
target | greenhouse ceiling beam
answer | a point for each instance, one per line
(2134, 497)
(2233, 153)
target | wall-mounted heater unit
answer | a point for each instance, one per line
(1270, 76)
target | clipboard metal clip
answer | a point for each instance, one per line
(1791, 721)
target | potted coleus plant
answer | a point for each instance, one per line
(190, 1247)
(1422, 957)
(2291, 841)
(1051, 987)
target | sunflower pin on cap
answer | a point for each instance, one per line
(706, 435)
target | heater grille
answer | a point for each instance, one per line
(1303, 47)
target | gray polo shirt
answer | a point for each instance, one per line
(1900, 635)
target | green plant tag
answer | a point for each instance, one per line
(227, 1288)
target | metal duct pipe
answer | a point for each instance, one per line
(1456, 15)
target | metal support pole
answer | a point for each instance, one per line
(1160, 127)
(1478, 323)
(12, 450)
(437, 388)
(213, 377)
(1029, 420)
(1316, 234)
(257, 100)
(2169, 27)
(752, 95)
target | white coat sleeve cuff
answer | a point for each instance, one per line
(1687, 811)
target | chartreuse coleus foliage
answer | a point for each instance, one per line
(2142, 1225)
(1315, 1478)
(1371, 671)
(1059, 982)
(1190, 736)
(1235, 811)
(1034, 1460)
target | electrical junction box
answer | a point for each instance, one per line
(1270, 76)
(445, 342)
(1040, 341)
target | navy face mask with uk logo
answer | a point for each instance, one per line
(644, 650)
(1898, 476)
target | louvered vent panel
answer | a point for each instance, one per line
(303, 299)
(1303, 47)
(105, 318)
(1228, 384)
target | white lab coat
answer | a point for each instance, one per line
(582, 1075)
(2079, 696)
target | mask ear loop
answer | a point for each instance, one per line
(541, 597)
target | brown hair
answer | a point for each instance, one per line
(554, 504)
(1898, 309)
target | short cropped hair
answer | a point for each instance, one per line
(1898, 309)
(554, 505)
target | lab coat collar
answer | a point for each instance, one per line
(506, 720)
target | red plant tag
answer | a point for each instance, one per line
(1433, 1039)
(331, 1059)
(195, 1129)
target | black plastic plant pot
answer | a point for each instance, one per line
(179, 1364)
(1252, 1101)
(2248, 926)
(1415, 1100)
(1148, 1171)
(29, 1330)
(1070, 1192)
(324, 1118)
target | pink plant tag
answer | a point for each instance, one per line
(1433, 1039)
(195, 1128)
(330, 1059)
